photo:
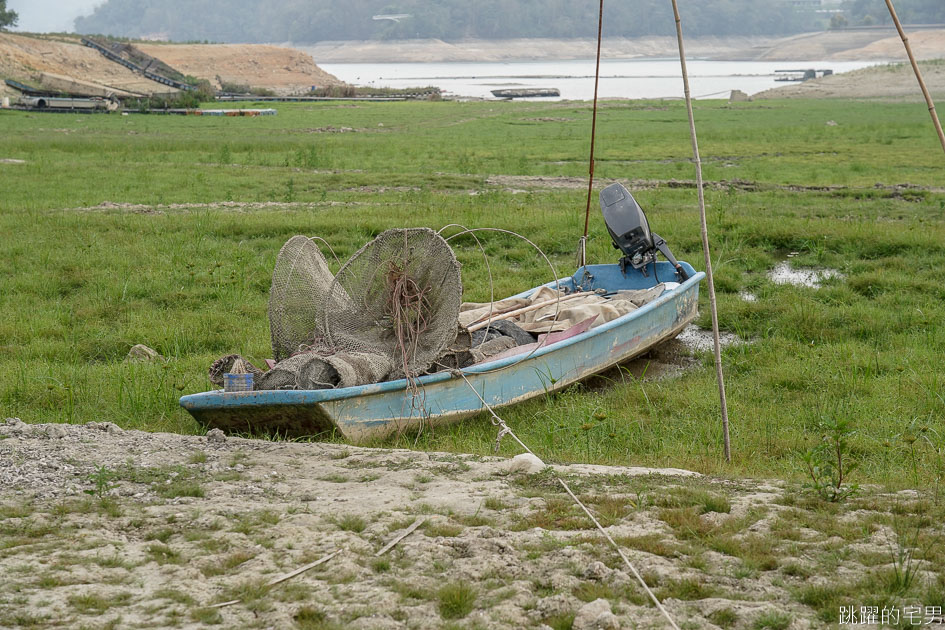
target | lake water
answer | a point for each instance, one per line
(620, 78)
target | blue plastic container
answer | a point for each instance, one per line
(237, 382)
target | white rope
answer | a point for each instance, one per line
(505, 430)
(619, 551)
(554, 273)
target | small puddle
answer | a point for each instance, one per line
(700, 340)
(784, 273)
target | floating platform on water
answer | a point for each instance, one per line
(526, 93)
(802, 74)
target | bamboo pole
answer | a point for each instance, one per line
(918, 74)
(705, 236)
(582, 246)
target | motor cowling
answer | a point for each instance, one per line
(630, 231)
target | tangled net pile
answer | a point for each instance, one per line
(389, 313)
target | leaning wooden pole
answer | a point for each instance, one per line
(918, 74)
(705, 236)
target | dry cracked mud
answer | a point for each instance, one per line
(101, 527)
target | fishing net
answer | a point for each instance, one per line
(300, 283)
(399, 296)
(389, 313)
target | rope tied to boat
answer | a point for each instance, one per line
(497, 421)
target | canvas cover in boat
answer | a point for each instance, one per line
(561, 310)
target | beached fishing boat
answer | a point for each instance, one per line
(367, 412)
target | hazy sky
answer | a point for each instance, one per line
(43, 16)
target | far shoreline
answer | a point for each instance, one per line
(845, 45)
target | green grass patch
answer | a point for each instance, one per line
(772, 620)
(163, 554)
(685, 589)
(227, 563)
(208, 203)
(442, 528)
(350, 523)
(456, 600)
(92, 603)
(312, 618)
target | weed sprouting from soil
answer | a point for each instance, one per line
(829, 462)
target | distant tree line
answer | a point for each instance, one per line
(875, 12)
(307, 21)
(7, 17)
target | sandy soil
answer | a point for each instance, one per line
(894, 82)
(24, 57)
(150, 555)
(925, 45)
(283, 70)
(109, 528)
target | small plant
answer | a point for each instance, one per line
(829, 463)
(102, 479)
(915, 436)
(724, 617)
(162, 554)
(494, 503)
(909, 544)
(772, 620)
(563, 621)
(381, 565)
(207, 616)
(351, 523)
(310, 617)
(455, 601)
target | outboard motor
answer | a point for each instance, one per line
(630, 231)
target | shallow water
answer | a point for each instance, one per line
(620, 78)
(784, 273)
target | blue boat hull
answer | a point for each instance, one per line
(369, 412)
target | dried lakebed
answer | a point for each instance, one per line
(101, 527)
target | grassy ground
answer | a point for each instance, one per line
(115, 232)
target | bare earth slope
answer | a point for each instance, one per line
(856, 46)
(925, 45)
(22, 58)
(283, 70)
